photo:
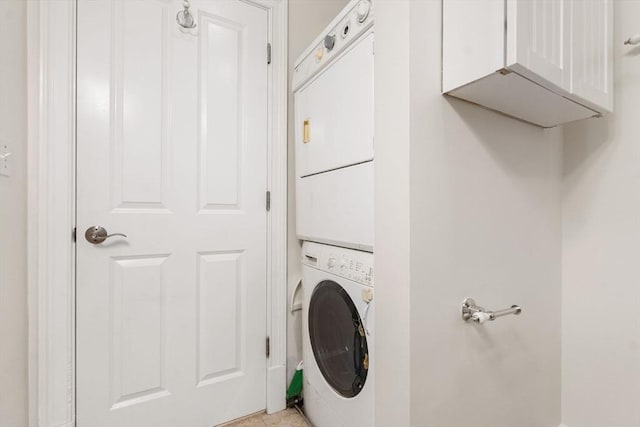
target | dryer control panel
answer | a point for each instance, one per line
(338, 36)
(347, 263)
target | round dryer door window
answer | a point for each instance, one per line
(338, 339)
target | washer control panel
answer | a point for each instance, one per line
(353, 22)
(351, 268)
(350, 264)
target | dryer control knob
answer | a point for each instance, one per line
(331, 262)
(362, 10)
(330, 42)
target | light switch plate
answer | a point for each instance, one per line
(5, 159)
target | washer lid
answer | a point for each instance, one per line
(338, 339)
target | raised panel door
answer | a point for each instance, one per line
(172, 151)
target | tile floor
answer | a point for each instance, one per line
(286, 418)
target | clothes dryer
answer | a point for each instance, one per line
(334, 141)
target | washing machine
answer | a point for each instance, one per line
(338, 338)
(334, 138)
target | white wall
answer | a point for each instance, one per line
(392, 214)
(13, 213)
(601, 237)
(485, 222)
(306, 19)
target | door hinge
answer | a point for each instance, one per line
(268, 347)
(73, 235)
(268, 201)
(268, 53)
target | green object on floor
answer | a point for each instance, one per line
(295, 387)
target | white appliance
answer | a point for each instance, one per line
(338, 336)
(333, 92)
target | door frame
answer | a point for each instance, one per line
(51, 50)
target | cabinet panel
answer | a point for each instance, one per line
(471, 54)
(592, 51)
(328, 211)
(538, 43)
(519, 97)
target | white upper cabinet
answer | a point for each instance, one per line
(538, 38)
(546, 62)
(592, 52)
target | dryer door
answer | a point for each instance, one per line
(334, 114)
(338, 339)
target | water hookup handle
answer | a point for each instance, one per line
(472, 311)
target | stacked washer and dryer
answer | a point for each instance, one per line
(333, 94)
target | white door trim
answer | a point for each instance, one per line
(51, 201)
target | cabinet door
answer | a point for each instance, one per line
(538, 43)
(592, 52)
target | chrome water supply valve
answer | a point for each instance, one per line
(472, 311)
(633, 40)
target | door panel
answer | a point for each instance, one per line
(592, 51)
(172, 151)
(140, 104)
(538, 40)
(136, 310)
(221, 123)
(220, 295)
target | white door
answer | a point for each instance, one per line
(172, 151)
(538, 40)
(592, 51)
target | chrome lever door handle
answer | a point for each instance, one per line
(97, 234)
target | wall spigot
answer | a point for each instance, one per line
(472, 311)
